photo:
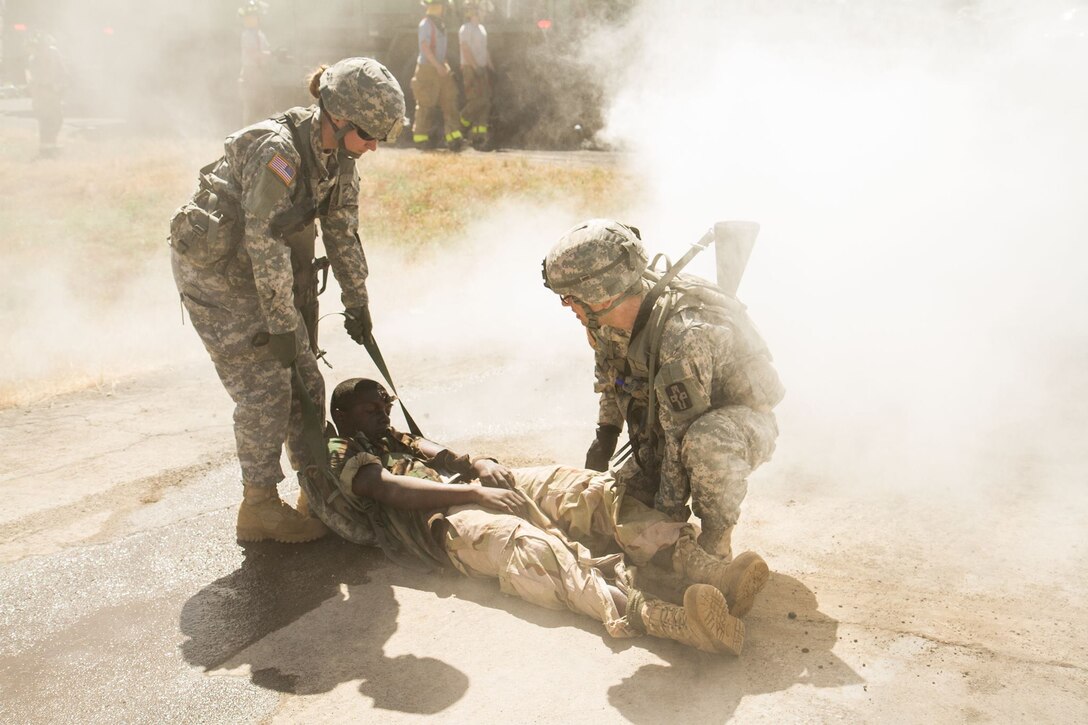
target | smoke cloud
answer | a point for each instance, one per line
(918, 171)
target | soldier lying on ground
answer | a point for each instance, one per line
(552, 535)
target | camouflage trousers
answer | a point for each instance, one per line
(434, 93)
(565, 559)
(719, 451)
(267, 407)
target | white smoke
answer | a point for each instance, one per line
(918, 171)
(478, 347)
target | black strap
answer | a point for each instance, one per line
(376, 355)
(621, 455)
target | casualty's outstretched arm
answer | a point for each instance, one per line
(407, 492)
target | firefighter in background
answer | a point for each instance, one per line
(48, 77)
(476, 69)
(253, 84)
(433, 84)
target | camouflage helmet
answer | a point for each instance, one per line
(363, 91)
(596, 261)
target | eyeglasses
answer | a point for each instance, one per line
(568, 300)
(384, 404)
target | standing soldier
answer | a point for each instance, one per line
(685, 369)
(48, 78)
(476, 71)
(232, 263)
(433, 83)
(253, 84)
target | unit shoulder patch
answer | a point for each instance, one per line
(678, 397)
(282, 168)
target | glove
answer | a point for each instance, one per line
(601, 450)
(358, 324)
(282, 346)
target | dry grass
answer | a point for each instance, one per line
(101, 207)
(106, 204)
(416, 199)
(91, 220)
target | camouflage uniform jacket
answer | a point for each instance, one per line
(397, 531)
(275, 179)
(709, 355)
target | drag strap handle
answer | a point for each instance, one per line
(379, 362)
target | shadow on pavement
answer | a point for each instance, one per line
(293, 616)
(780, 652)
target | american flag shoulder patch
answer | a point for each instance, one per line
(282, 168)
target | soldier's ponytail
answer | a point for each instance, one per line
(315, 81)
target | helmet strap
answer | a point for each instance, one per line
(594, 318)
(341, 132)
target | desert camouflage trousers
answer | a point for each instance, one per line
(719, 451)
(536, 561)
(267, 408)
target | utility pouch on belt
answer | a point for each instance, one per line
(205, 230)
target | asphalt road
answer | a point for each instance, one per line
(124, 598)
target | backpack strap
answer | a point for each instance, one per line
(650, 300)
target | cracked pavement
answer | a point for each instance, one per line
(119, 572)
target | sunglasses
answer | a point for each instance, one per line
(390, 136)
(362, 134)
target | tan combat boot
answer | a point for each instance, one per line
(263, 515)
(718, 542)
(703, 622)
(739, 580)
